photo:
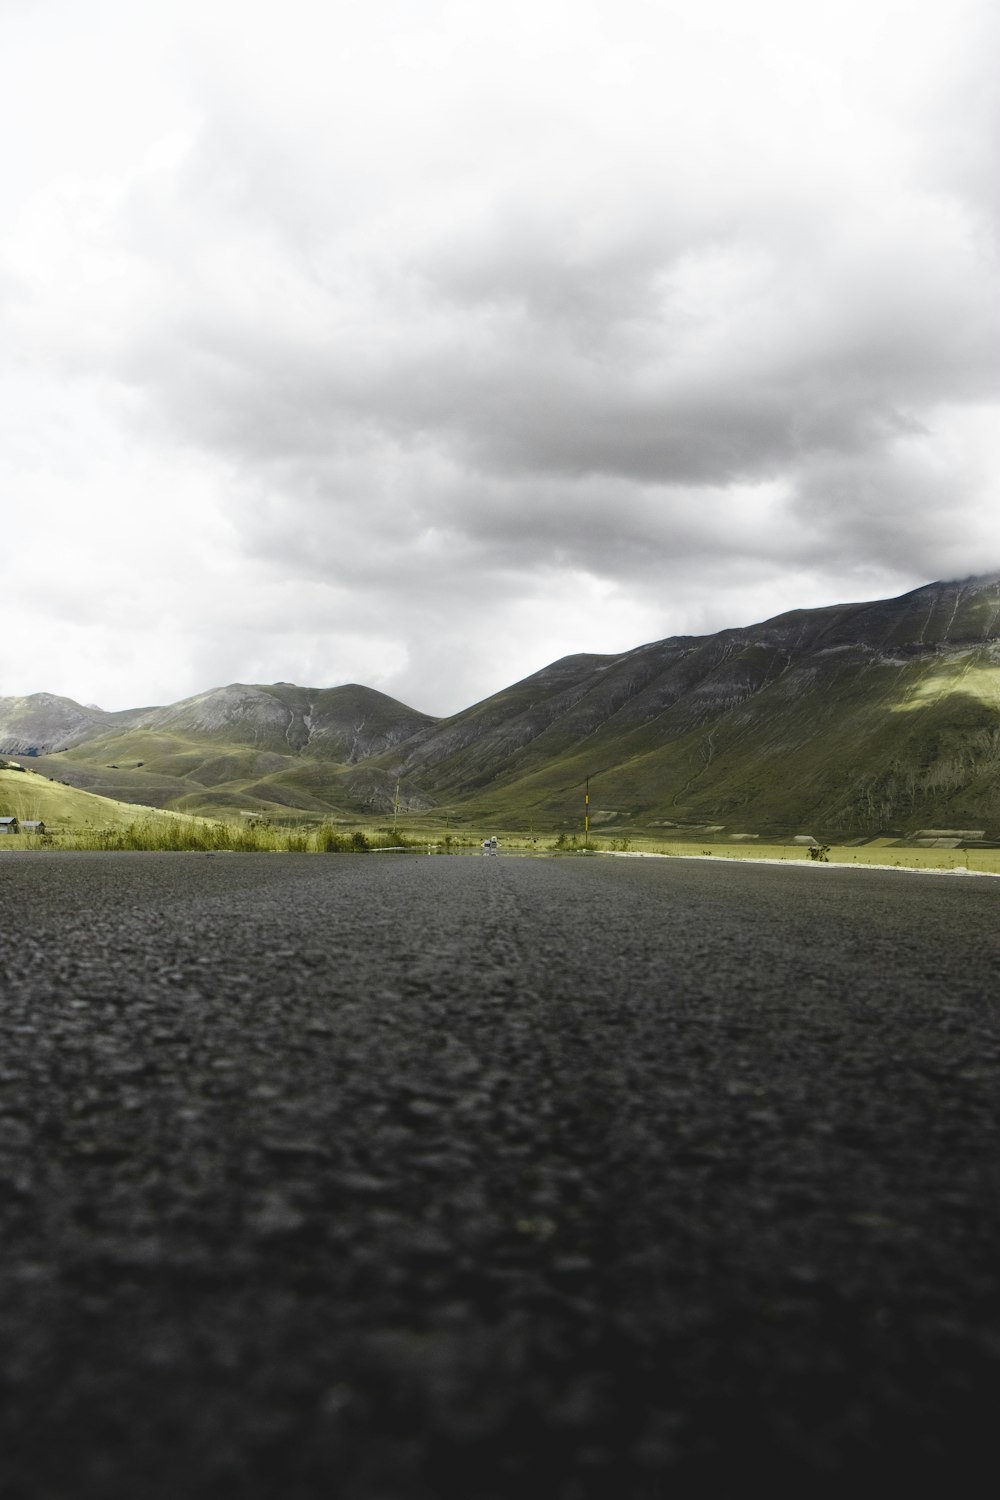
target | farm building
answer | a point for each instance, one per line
(8, 825)
(32, 825)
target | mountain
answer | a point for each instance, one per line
(345, 724)
(848, 720)
(271, 749)
(43, 722)
(855, 717)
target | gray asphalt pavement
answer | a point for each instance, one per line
(408, 1178)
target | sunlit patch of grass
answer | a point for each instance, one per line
(979, 682)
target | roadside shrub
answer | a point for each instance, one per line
(330, 841)
(386, 838)
(242, 839)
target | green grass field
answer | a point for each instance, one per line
(983, 861)
(76, 819)
(26, 795)
(435, 837)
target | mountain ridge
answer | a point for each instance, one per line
(852, 716)
(45, 723)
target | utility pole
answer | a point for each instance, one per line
(395, 808)
(586, 810)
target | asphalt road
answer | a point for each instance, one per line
(407, 1178)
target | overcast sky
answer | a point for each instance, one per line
(420, 343)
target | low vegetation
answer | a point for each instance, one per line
(193, 835)
(75, 819)
(190, 835)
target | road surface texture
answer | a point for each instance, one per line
(410, 1178)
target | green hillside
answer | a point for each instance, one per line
(869, 748)
(212, 778)
(30, 795)
(856, 719)
(847, 721)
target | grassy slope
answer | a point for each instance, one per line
(211, 778)
(851, 718)
(864, 745)
(66, 811)
(841, 721)
(31, 795)
(268, 749)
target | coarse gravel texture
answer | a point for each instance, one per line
(410, 1178)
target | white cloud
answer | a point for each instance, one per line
(418, 345)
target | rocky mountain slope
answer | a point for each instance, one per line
(274, 748)
(44, 722)
(853, 719)
(342, 723)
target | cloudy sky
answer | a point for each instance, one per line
(421, 342)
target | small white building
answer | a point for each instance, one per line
(8, 825)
